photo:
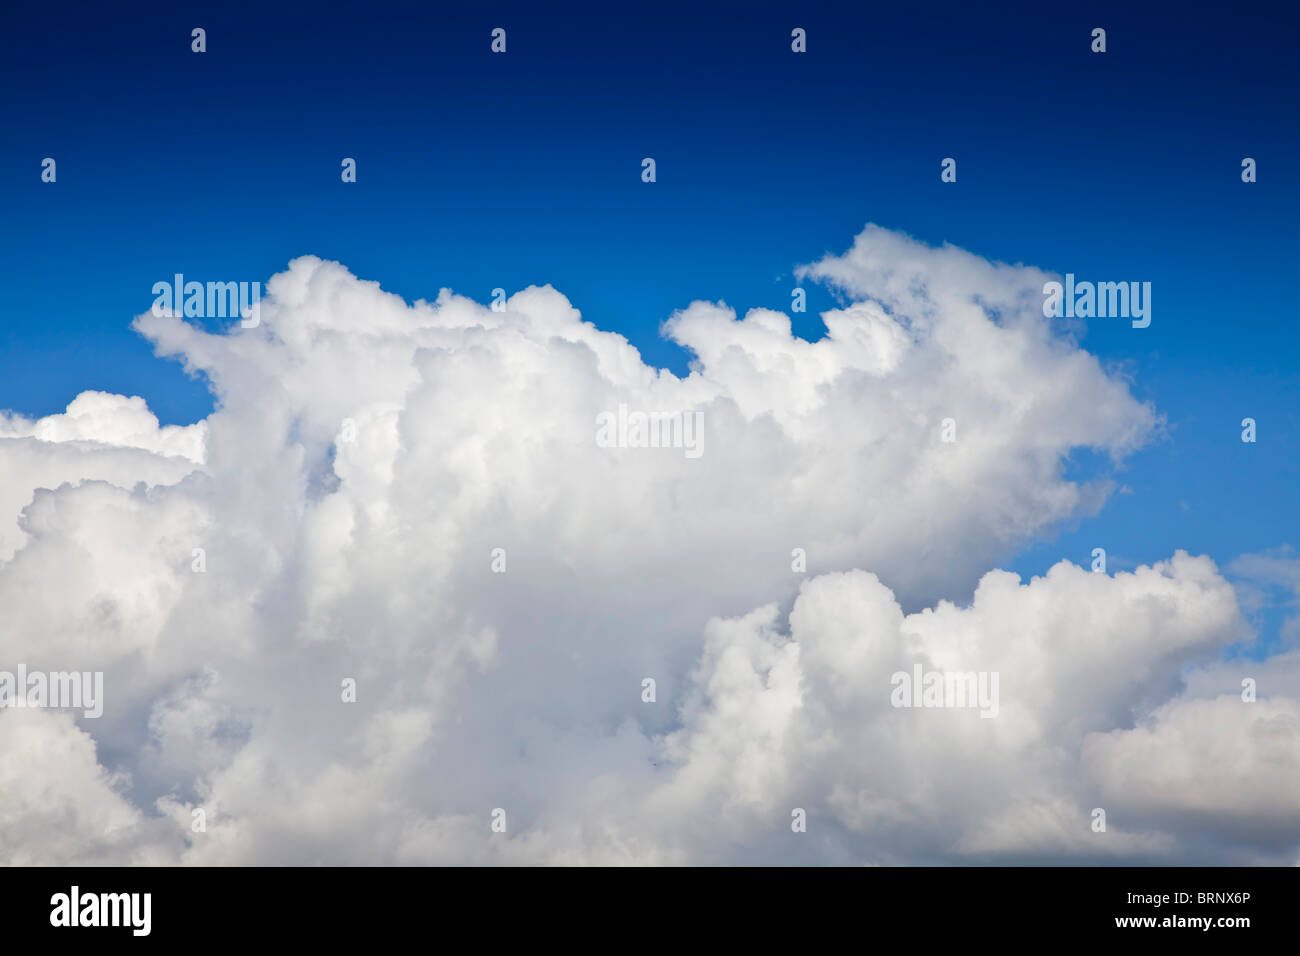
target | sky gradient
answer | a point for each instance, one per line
(478, 171)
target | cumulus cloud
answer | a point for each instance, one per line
(339, 517)
(101, 437)
(113, 420)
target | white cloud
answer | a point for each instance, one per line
(370, 558)
(110, 420)
(1219, 768)
(101, 437)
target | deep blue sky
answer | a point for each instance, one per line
(477, 171)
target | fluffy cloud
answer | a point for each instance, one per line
(368, 456)
(101, 437)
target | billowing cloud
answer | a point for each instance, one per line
(413, 497)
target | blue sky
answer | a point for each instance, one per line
(478, 171)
